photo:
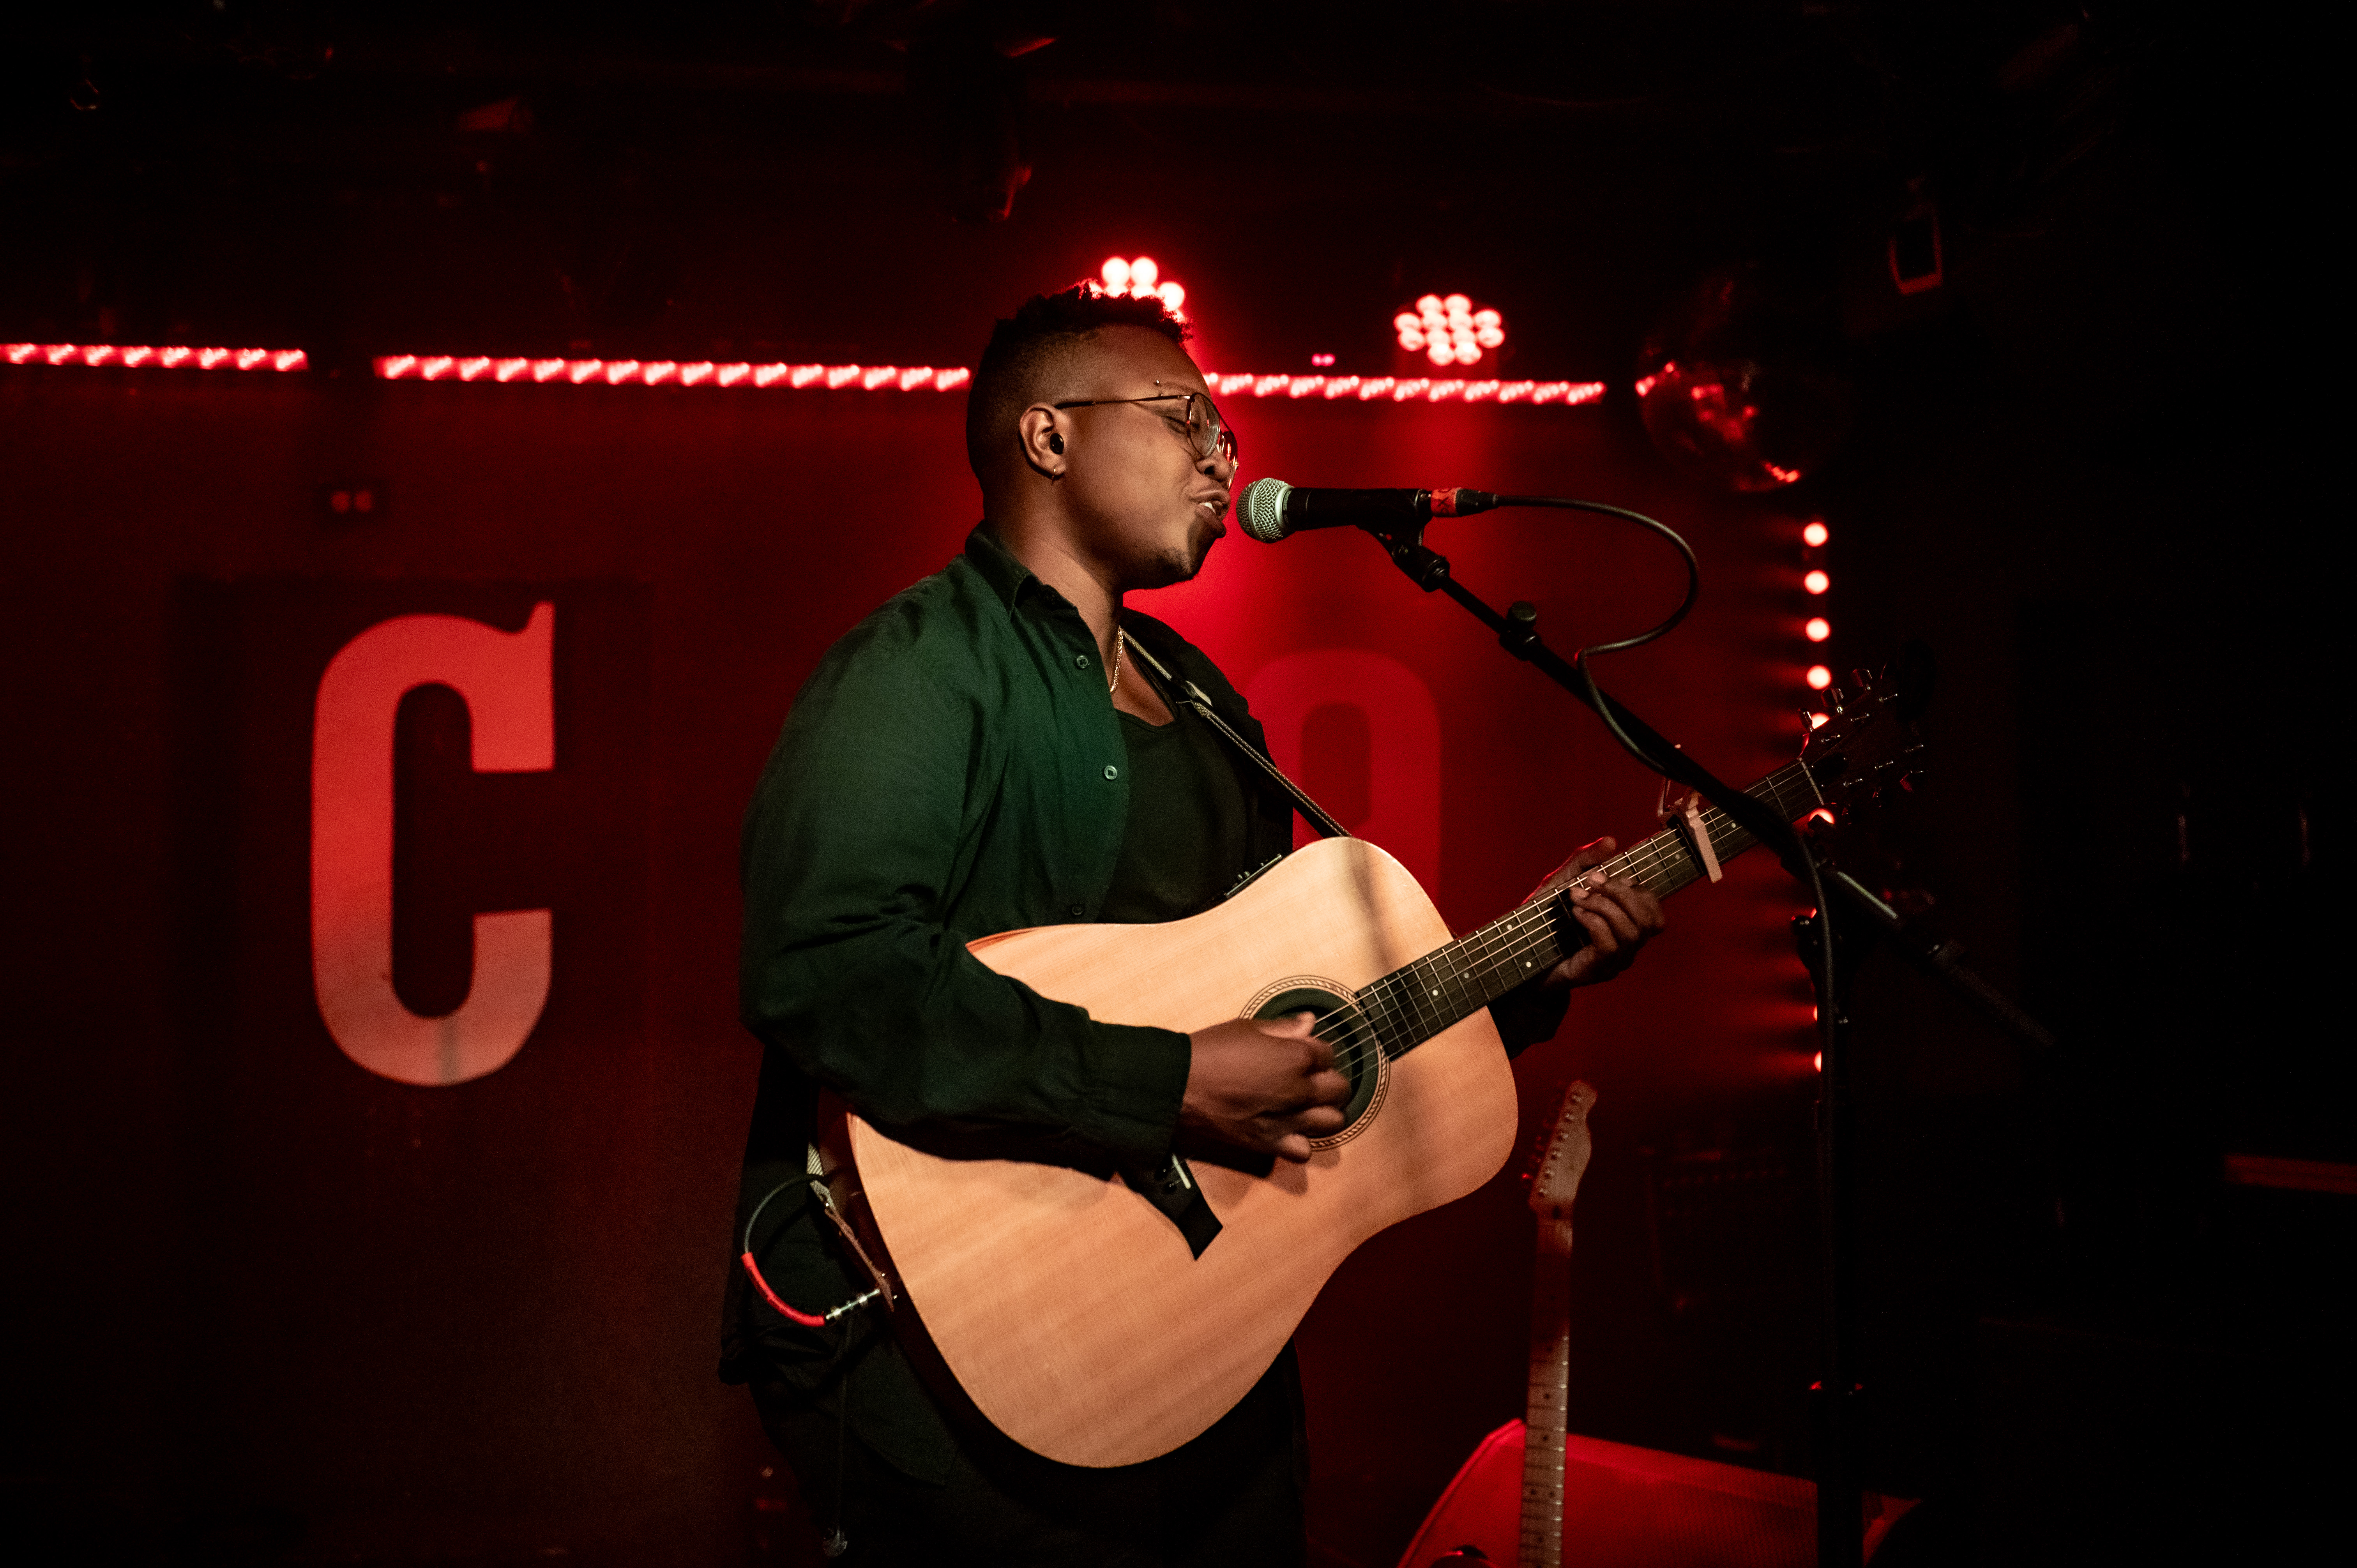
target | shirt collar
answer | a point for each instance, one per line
(988, 555)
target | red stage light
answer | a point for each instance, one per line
(1817, 720)
(1450, 331)
(1322, 361)
(1142, 276)
(1819, 677)
(1817, 629)
(1816, 582)
(1814, 534)
(1817, 1060)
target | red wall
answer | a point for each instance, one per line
(413, 1318)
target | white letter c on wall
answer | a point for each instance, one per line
(506, 681)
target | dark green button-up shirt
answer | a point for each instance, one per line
(953, 768)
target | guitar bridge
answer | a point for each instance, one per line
(1170, 1187)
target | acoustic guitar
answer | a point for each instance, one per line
(1100, 1320)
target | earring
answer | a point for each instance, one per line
(1055, 443)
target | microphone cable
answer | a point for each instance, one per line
(1597, 700)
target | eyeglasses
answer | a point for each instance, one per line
(1206, 431)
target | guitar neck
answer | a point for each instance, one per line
(1545, 1419)
(1419, 1000)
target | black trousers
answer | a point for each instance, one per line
(1230, 1498)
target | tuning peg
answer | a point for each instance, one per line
(1863, 679)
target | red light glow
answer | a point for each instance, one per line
(1403, 389)
(667, 372)
(1818, 721)
(145, 357)
(1817, 629)
(1450, 331)
(1816, 582)
(1141, 276)
(1817, 1061)
(1814, 535)
(916, 378)
(1819, 677)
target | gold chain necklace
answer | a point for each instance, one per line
(1119, 638)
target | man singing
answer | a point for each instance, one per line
(989, 751)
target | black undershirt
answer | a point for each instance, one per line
(1185, 842)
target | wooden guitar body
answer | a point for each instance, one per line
(1075, 1314)
(1071, 1311)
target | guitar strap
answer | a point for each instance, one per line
(1186, 694)
(1170, 1185)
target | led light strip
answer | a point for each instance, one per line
(899, 378)
(142, 358)
(667, 372)
(706, 373)
(1816, 582)
(1405, 389)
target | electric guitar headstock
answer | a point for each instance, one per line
(1554, 1180)
(1866, 738)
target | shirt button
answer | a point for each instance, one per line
(1111, 772)
(1079, 909)
(1079, 660)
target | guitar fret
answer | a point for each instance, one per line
(1421, 998)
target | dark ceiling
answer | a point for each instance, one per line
(788, 177)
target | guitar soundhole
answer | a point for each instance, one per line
(1356, 1054)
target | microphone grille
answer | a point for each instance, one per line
(1264, 509)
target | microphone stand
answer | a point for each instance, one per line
(1834, 1398)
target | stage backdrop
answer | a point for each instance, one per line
(374, 1085)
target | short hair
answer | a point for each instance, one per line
(1026, 347)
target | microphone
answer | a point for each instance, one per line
(1271, 508)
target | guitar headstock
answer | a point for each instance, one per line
(1555, 1181)
(1865, 742)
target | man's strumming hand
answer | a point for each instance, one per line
(1264, 1084)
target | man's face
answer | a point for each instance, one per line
(1143, 500)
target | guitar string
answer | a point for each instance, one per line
(1482, 951)
(1510, 937)
(1502, 941)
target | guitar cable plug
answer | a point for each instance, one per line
(753, 1270)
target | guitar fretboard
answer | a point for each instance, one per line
(1419, 1000)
